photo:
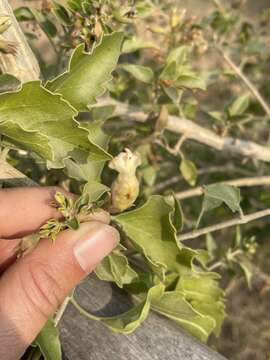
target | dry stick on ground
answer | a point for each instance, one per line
(243, 182)
(225, 224)
(195, 132)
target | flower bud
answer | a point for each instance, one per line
(125, 188)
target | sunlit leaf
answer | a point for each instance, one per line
(88, 74)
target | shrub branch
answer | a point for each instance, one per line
(223, 225)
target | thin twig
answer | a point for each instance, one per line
(203, 171)
(245, 80)
(61, 311)
(242, 182)
(229, 223)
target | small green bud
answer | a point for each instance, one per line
(5, 22)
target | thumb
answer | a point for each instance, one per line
(33, 288)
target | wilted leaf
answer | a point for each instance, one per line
(88, 74)
(48, 341)
(130, 320)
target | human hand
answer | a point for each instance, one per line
(33, 287)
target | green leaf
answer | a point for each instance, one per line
(189, 171)
(178, 216)
(190, 81)
(61, 13)
(88, 74)
(134, 43)
(216, 194)
(247, 270)
(132, 319)
(149, 174)
(24, 13)
(116, 268)
(48, 341)
(91, 169)
(230, 195)
(211, 246)
(239, 106)
(150, 229)
(39, 121)
(95, 190)
(46, 25)
(201, 290)
(141, 73)
(173, 305)
(178, 55)
(9, 83)
(169, 72)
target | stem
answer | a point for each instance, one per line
(243, 182)
(245, 80)
(80, 309)
(61, 311)
(204, 171)
(223, 225)
(194, 132)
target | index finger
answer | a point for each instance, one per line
(25, 210)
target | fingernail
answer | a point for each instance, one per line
(95, 246)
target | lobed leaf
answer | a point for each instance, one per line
(88, 74)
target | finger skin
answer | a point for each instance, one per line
(24, 210)
(8, 248)
(33, 288)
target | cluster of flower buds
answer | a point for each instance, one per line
(125, 188)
